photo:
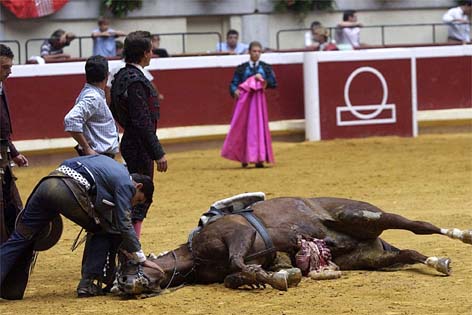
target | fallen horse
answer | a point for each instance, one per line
(239, 249)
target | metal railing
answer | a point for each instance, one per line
(33, 40)
(183, 35)
(18, 47)
(80, 39)
(382, 29)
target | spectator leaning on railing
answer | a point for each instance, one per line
(104, 38)
(348, 31)
(156, 50)
(311, 37)
(321, 35)
(52, 48)
(459, 23)
(231, 45)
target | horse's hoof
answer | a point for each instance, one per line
(443, 266)
(467, 236)
(324, 274)
(294, 276)
(279, 280)
(440, 264)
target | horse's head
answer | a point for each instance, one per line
(178, 266)
(134, 279)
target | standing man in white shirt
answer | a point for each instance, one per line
(458, 19)
(90, 122)
(348, 31)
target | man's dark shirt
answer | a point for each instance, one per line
(160, 52)
(5, 124)
(135, 106)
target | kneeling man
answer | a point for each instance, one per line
(93, 191)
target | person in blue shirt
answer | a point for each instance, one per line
(93, 191)
(104, 38)
(260, 70)
(231, 45)
(252, 67)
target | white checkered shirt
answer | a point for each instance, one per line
(92, 117)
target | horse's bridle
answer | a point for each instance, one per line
(175, 272)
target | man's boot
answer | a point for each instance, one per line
(88, 288)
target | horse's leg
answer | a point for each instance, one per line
(371, 255)
(239, 244)
(395, 221)
(278, 280)
(365, 221)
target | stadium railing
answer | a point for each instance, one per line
(381, 28)
(80, 40)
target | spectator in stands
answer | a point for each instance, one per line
(119, 48)
(248, 140)
(310, 36)
(52, 48)
(156, 42)
(348, 31)
(321, 35)
(104, 38)
(459, 23)
(231, 45)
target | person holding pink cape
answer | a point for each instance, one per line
(248, 140)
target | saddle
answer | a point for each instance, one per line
(237, 205)
(232, 205)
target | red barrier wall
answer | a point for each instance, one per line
(192, 97)
(199, 96)
(444, 82)
(38, 104)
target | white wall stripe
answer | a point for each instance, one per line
(53, 69)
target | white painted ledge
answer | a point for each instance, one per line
(177, 133)
(444, 114)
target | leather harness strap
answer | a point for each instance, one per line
(248, 214)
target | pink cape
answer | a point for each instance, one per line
(248, 140)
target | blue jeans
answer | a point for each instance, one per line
(51, 197)
(99, 259)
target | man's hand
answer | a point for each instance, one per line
(259, 77)
(162, 164)
(153, 265)
(20, 160)
(90, 151)
(236, 94)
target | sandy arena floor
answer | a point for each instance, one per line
(426, 178)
